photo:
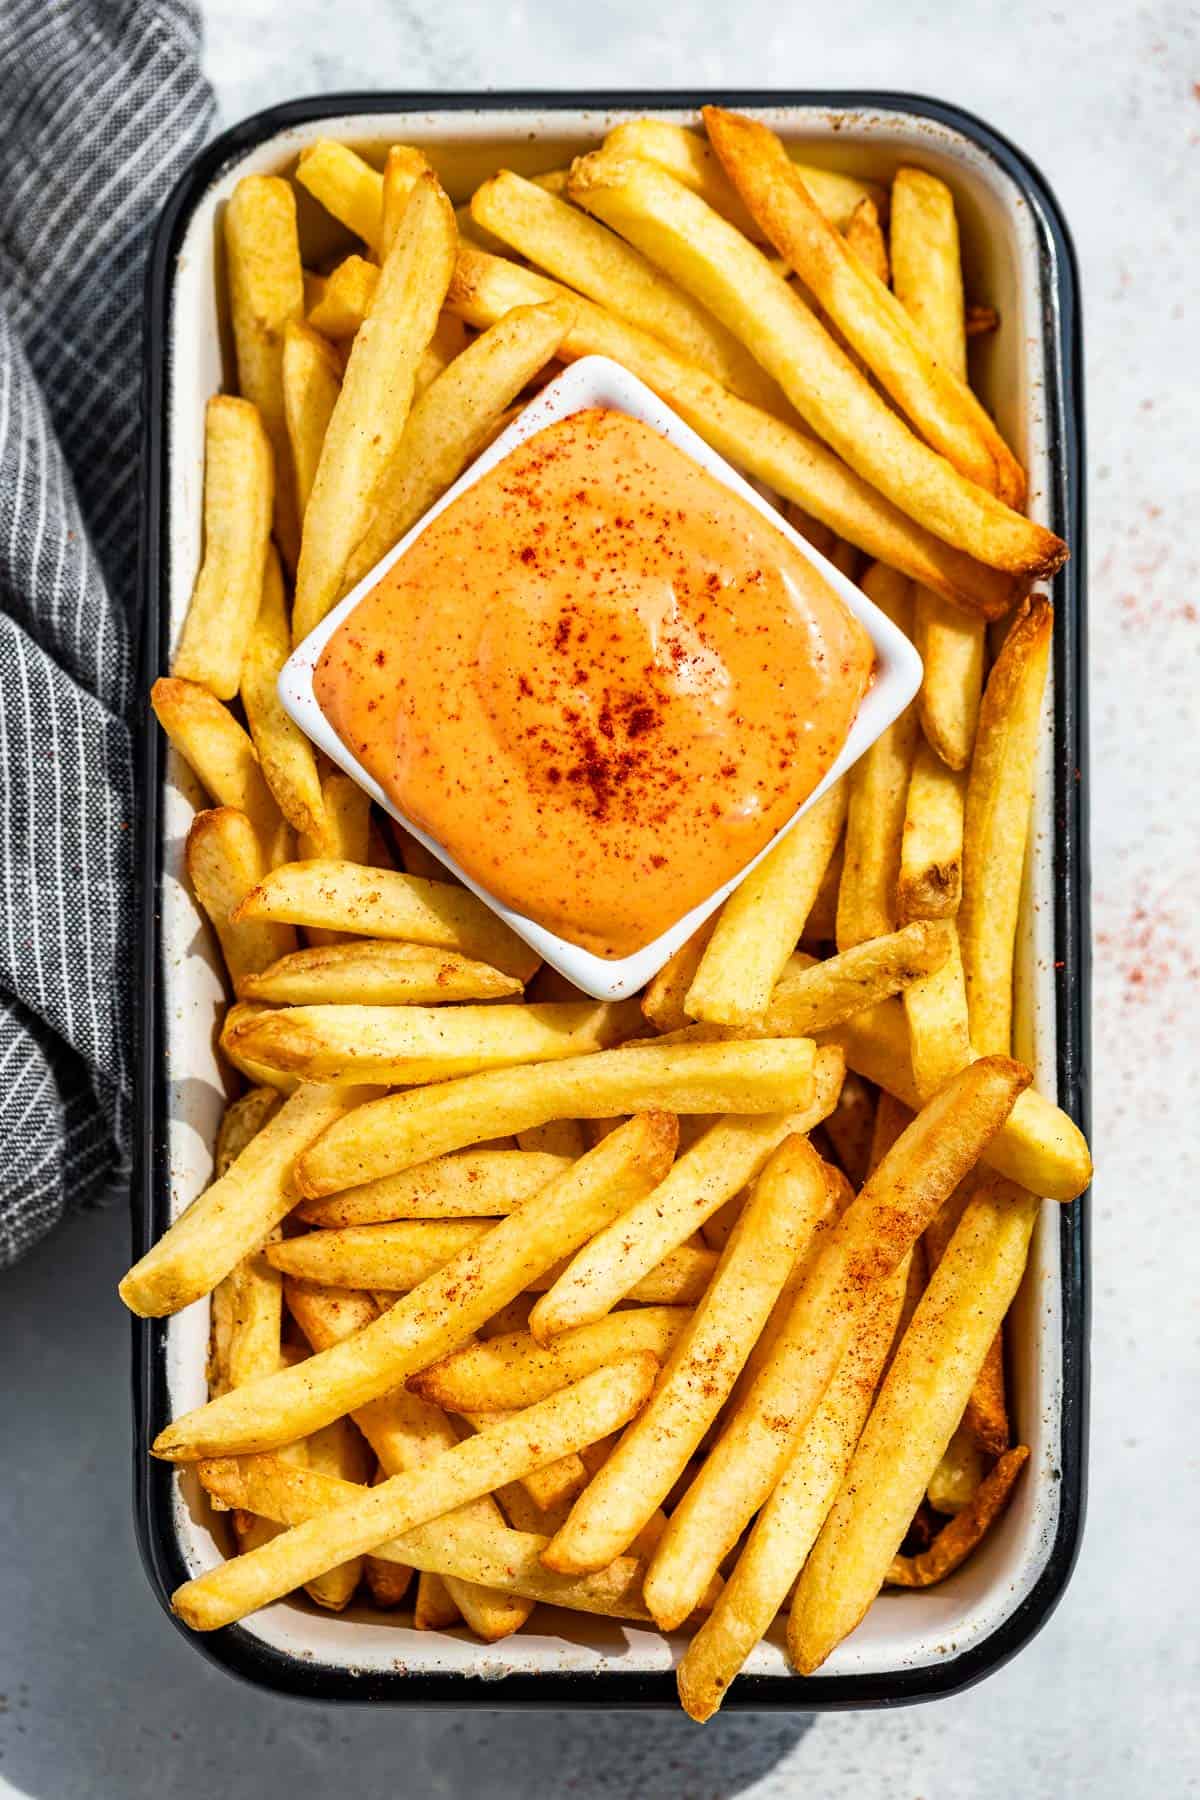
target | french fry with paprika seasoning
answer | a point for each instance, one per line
(224, 857)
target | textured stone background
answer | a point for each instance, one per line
(101, 1699)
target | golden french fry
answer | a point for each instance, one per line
(958, 1475)
(891, 1118)
(266, 293)
(500, 1374)
(759, 925)
(814, 998)
(346, 186)
(550, 1488)
(314, 287)
(985, 1417)
(874, 323)
(584, 254)
(878, 789)
(403, 1045)
(873, 1236)
(736, 282)
(219, 753)
(311, 376)
(234, 1215)
(440, 1314)
(376, 972)
(759, 1077)
(999, 798)
(389, 1582)
(730, 1154)
(373, 405)
(243, 1119)
(344, 827)
(337, 1449)
(788, 1524)
(787, 460)
(955, 1541)
(234, 1019)
(434, 1608)
(776, 1222)
(349, 896)
(255, 1300)
(473, 1184)
(225, 858)
(239, 493)
(926, 265)
(951, 646)
(284, 753)
(920, 1402)
(864, 235)
(406, 1433)
(576, 1415)
(665, 995)
(1038, 1146)
(471, 1550)
(451, 422)
(936, 1010)
(346, 300)
(685, 155)
(849, 1127)
(557, 1137)
(929, 885)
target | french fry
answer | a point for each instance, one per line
(376, 972)
(735, 281)
(929, 884)
(239, 493)
(311, 376)
(959, 1472)
(473, 1184)
(873, 1236)
(849, 1127)
(225, 858)
(873, 321)
(759, 925)
(788, 1524)
(284, 753)
(813, 998)
(951, 646)
(373, 406)
(878, 789)
(787, 460)
(349, 896)
(666, 994)
(255, 1297)
(406, 1433)
(266, 294)
(985, 1417)
(955, 1541)
(450, 338)
(731, 1153)
(402, 169)
(314, 287)
(936, 1010)
(921, 1399)
(440, 1314)
(337, 1449)
(242, 1120)
(999, 798)
(736, 1078)
(1039, 1146)
(891, 1118)
(509, 1560)
(584, 254)
(502, 1374)
(554, 1486)
(450, 423)
(685, 155)
(434, 1608)
(343, 835)
(557, 1137)
(398, 1045)
(346, 300)
(576, 1415)
(234, 1215)
(926, 264)
(777, 1220)
(235, 1017)
(388, 1582)
(346, 186)
(219, 753)
(864, 235)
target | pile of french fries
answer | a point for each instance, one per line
(688, 1309)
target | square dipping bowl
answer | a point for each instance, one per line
(597, 381)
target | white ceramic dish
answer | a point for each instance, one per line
(910, 1645)
(597, 381)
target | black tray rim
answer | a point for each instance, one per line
(235, 1649)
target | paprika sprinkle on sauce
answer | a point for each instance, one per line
(600, 679)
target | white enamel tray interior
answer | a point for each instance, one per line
(902, 1630)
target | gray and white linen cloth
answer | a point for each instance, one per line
(101, 106)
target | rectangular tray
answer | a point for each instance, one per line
(1018, 255)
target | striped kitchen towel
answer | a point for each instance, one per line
(102, 103)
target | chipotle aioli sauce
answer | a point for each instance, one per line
(600, 679)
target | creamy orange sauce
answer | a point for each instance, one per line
(600, 679)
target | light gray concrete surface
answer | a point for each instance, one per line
(101, 1699)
